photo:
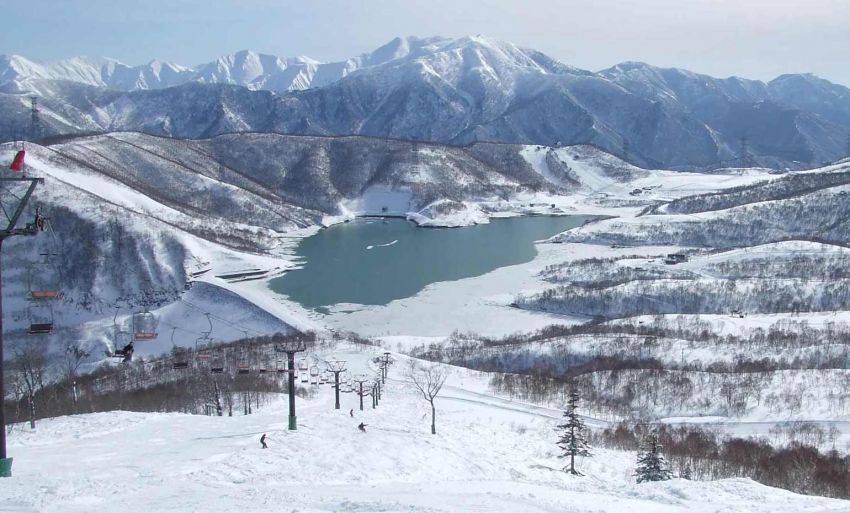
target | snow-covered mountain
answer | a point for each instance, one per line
(246, 68)
(445, 90)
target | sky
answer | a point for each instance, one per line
(750, 38)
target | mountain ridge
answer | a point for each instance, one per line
(451, 91)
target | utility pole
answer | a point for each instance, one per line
(290, 347)
(336, 366)
(10, 231)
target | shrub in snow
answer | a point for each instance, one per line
(651, 465)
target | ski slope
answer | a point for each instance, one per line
(489, 454)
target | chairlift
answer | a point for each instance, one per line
(217, 364)
(203, 344)
(122, 341)
(302, 369)
(280, 365)
(314, 375)
(144, 325)
(43, 280)
(263, 362)
(123, 352)
(242, 366)
(180, 356)
(41, 319)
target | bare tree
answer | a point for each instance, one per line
(29, 367)
(74, 356)
(428, 380)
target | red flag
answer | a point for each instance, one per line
(18, 163)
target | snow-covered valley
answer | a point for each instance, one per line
(744, 334)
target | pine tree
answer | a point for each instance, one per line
(651, 465)
(572, 440)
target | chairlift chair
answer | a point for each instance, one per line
(280, 365)
(303, 369)
(262, 368)
(144, 325)
(43, 281)
(314, 375)
(181, 358)
(124, 352)
(217, 363)
(41, 319)
(243, 367)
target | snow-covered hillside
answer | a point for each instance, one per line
(488, 454)
(135, 216)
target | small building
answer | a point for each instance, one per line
(675, 258)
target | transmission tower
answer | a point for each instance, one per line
(35, 121)
(745, 152)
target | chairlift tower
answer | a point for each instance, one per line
(11, 230)
(336, 366)
(385, 364)
(360, 380)
(290, 347)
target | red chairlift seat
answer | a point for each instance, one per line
(18, 161)
(46, 294)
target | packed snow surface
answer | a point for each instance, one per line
(489, 454)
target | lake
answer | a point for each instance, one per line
(375, 261)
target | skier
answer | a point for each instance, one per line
(362, 427)
(127, 352)
(263, 441)
(351, 412)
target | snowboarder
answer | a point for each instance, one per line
(362, 427)
(351, 412)
(263, 441)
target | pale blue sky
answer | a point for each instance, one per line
(751, 38)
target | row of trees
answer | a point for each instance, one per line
(156, 384)
(718, 296)
(701, 454)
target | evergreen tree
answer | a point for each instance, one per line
(572, 441)
(651, 465)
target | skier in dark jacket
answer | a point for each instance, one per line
(351, 412)
(362, 427)
(263, 441)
